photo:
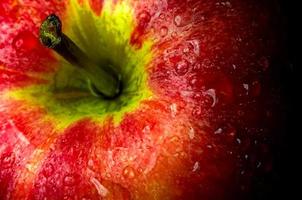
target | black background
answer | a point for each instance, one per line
(286, 184)
(284, 181)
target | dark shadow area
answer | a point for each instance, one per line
(283, 181)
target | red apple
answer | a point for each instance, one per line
(193, 118)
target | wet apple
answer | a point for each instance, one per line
(190, 120)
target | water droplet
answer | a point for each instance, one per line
(162, 16)
(239, 39)
(8, 160)
(197, 96)
(48, 170)
(238, 140)
(68, 197)
(90, 163)
(182, 20)
(182, 68)
(25, 42)
(258, 164)
(192, 60)
(176, 155)
(193, 81)
(186, 94)
(212, 94)
(173, 108)
(209, 146)
(196, 82)
(128, 172)
(195, 46)
(69, 180)
(186, 50)
(197, 67)
(177, 20)
(228, 4)
(146, 129)
(197, 111)
(231, 131)
(218, 131)
(225, 4)
(246, 87)
(101, 189)
(144, 18)
(163, 31)
(174, 34)
(195, 167)
(191, 133)
(140, 170)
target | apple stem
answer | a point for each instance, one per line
(104, 81)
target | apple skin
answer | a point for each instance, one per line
(203, 134)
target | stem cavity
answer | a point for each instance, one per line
(104, 81)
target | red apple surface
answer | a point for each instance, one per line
(193, 119)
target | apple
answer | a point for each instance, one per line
(157, 99)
